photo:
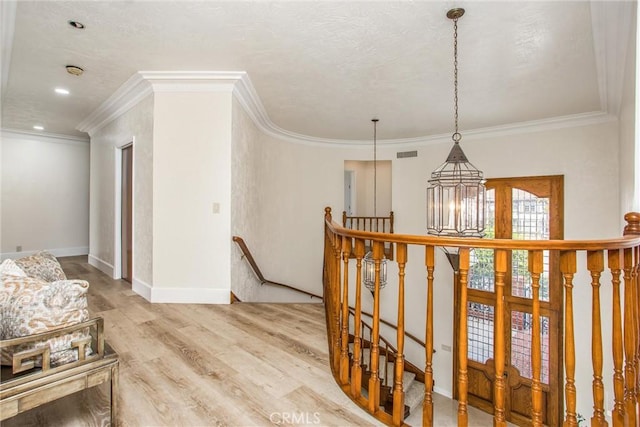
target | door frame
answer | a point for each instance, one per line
(350, 174)
(117, 245)
(557, 230)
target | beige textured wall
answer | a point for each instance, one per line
(136, 123)
(246, 159)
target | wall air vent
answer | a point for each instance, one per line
(405, 154)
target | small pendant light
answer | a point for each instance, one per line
(369, 264)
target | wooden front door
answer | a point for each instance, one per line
(518, 208)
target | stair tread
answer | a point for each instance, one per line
(414, 395)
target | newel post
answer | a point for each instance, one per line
(632, 321)
(633, 224)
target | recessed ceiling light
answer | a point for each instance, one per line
(38, 127)
(74, 69)
(62, 91)
(77, 25)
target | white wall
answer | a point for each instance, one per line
(45, 194)
(629, 150)
(364, 177)
(135, 124)
(191, 174)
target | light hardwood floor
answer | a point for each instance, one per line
(209, 365)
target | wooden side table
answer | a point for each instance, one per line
(22, 391)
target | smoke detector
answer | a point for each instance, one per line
(74, 69)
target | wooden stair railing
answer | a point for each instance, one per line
(343, 246)
(252, 263)
(246, 253)
(380, 224)
(388, 355)
(391, 354)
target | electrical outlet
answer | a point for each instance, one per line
(446, 347)
(216, 207)
(19, 248)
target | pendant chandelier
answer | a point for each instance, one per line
(456, 192)
(369, 264)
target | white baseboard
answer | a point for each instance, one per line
(58, 252)
(101, 265)
(142, 288)
(190, 295)
(82, 250)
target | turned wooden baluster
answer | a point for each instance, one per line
(568, 269)
(374, 380)
(398, 392)
(356, 367)
(633, 228)
(636, 286)
(344, 351)
(463, 376)
(629, 341)
(499, 385)
(427, 404)
(618, 413)
(595, 264)
(535, 268)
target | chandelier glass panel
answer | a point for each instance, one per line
(456, 192)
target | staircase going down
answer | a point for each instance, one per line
(412, 386)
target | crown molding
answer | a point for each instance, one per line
(128, 95)
(143, 83)
(44, 136)
(192, 81)
(575, 120)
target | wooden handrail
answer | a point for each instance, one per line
(247, 253)
(623, 265)
(628, 241)
(252, 262)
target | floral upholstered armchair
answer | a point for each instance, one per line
(36, 297)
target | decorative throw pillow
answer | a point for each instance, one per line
(42, 265)
(30, 306)
(9, 267)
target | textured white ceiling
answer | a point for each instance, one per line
(323, 68)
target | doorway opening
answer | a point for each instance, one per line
(359, 189)
(123, 248)
(127, 214)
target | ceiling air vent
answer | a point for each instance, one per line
(405, 154)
